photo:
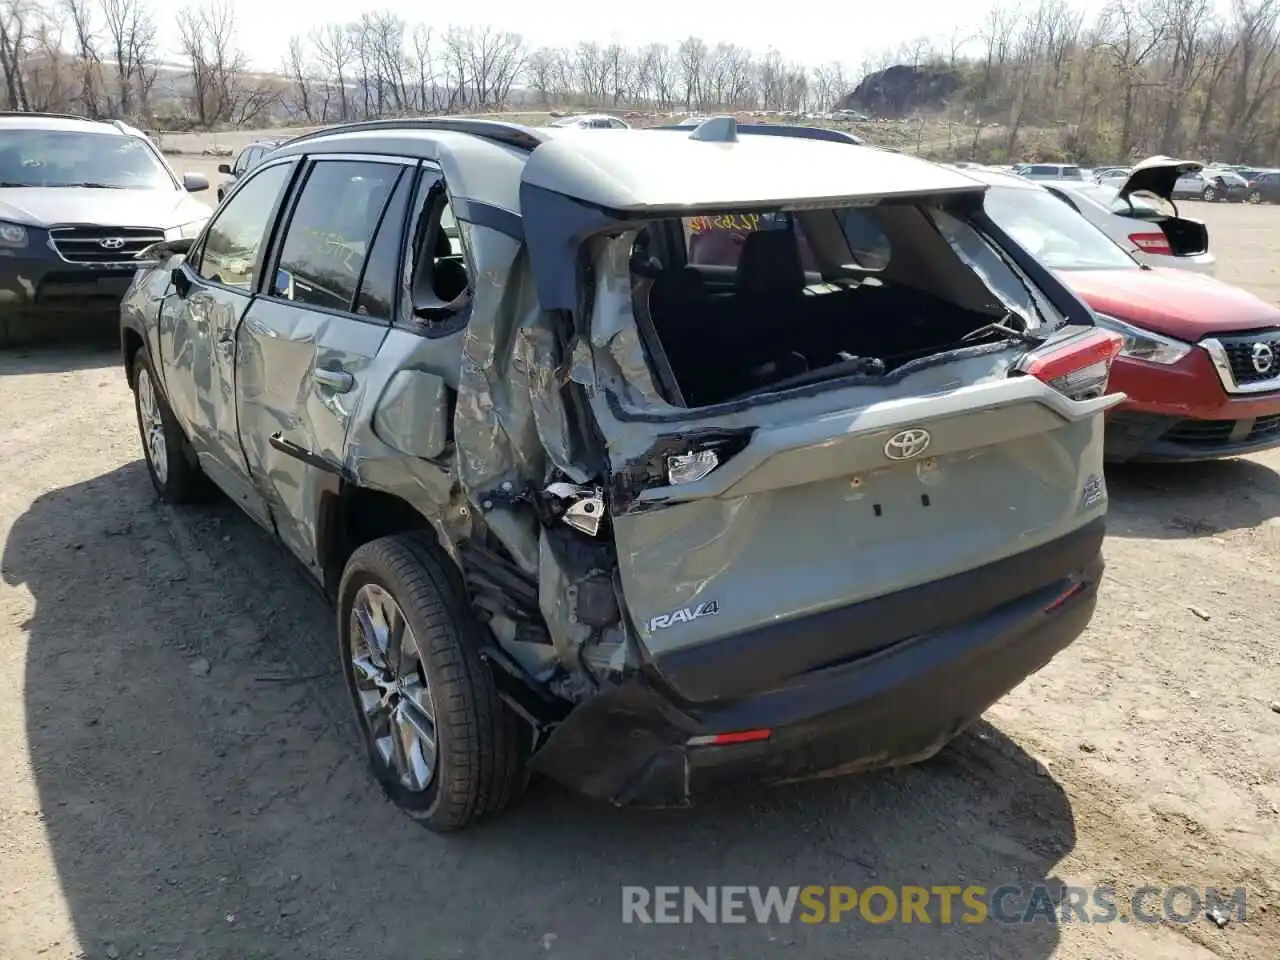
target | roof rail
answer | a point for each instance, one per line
(782, 130)
(509, 134)
(49, 116)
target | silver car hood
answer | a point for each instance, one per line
(53, 206)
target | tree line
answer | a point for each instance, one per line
(1144, 76)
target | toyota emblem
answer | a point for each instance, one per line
(111, 243)
(907, 444)
(1264, 357)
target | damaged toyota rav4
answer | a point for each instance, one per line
(594, 502)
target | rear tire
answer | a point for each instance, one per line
(171, 463)
(441, 743)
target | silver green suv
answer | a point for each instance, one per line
(654, 461)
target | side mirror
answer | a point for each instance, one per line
(224, 168)
(195, 182)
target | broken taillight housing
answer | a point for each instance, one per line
(691, 467)
(1077, 366)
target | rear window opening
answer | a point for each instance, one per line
(735, 304)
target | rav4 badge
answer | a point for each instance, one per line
(708, 608)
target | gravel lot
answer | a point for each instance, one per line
(180, 778)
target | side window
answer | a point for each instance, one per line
(441, 286)
(382, 273)
(330, 231)
(242, 162)
(235, 236)
(255, 154)
(867, 242)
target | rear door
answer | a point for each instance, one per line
(198, 324)
(305, 346)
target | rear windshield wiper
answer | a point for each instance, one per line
(1010, 333)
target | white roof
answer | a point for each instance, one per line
(659, 170)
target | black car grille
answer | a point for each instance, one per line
(1217, 433)
(1240, 351)
(102, 244)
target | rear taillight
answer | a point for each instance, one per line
(1078, 366)
(1151, 243)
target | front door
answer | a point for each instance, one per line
(305, 347)
(198, 326)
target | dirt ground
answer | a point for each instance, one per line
(179, 777)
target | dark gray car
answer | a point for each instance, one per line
(588, 506)
(248, 158)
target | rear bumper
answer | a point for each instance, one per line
(900, 704)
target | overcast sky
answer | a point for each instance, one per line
(809, 31)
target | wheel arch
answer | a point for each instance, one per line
(131, 341)
(350, 515)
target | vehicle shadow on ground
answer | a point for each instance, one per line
(204, 797)
(26, 361)
(1171, 501)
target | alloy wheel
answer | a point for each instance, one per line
(151, 424)
(1210, 195)
(1255, 196)
(392, 689)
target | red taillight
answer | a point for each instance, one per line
(1079, 366)
(723, 739)
(1151, 243)
(1064, 597)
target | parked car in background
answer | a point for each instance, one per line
(78, 199)
(1111, 176)
(1213, 186)
(592, 121)
(643, 580)
(248, 158)
(1050, 171)
(1140, 215)
(1201, 360)
(1264, 187)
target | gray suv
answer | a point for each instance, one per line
(592, 507)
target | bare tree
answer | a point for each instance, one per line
(88, 60)
(131, 36)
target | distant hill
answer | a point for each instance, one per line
(901, 91)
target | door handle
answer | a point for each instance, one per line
(339, 381)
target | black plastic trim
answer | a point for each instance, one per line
(291, 449)
(773, 656)
(487, 215)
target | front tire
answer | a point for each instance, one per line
(1210, 195)
(1255, 196)
(170, 463)
(441, 743)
